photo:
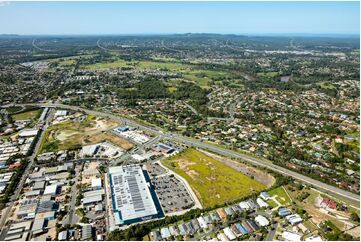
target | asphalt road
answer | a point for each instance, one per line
(216, 149)
(71, 217)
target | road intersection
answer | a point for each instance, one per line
(213, 148)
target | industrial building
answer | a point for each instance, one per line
(28, 133)
(132, 199)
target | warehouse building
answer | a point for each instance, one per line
(25, 133)
(132, 198)
(51, 190)
(96, 183)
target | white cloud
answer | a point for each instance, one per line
(4, 3)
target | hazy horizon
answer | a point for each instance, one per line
(149, 18)
(328, 35)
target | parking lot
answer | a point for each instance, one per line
(172, 194)
(154, 169)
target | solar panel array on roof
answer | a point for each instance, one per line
(130, 193)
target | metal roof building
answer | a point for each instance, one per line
(229, 233)
(51, 189)
(265, 195)
(39, 185)
(86, 232)
(94, 193)
(92, 199)
(283, 212)
(131, 197)
(97, 183)
(165, 233)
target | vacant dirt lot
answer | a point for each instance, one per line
(74, 134)
(115, 139)
(260, 176)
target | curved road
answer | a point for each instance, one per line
(37, 47)
(219, 150)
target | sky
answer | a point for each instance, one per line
(85, 18)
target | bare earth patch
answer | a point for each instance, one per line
(100, 137)
(258, 175)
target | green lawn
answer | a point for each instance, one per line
(312, 227)
(213, 182)
(107, 65)
(171, 66)
(282, 196)
(272, 203)
(326, 85)
(33, 114)
(190, 72)
(268, 74)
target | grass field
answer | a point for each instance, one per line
(190, 72)
(107, 65)
(326, 85)
(213, 182)
(33, 114)
(268, 74)
(272, 203)
(282, 196)
(72, 135)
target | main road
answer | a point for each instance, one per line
(213, 148)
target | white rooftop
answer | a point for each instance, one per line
(96, 182)
(262, 221)
(92, 199)
(51, 189)
(60, 113)
(291, 236)
(28, 132)
(130, 193)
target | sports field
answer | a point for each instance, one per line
(213, 182)
(72, 135)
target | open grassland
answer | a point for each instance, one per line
(213, 182)
(326, 85)
(271, 74)
(189, 72)
(67, 61)
(33, 114)
(107, 65)
(72, 134)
